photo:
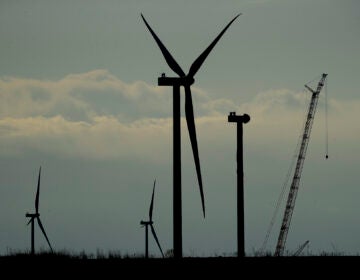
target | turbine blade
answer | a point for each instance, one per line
(152, 203)
(189, 113)
(37, 193)
(199, 61)
(31, 219)
(156, 239)
(168, 57)
(43, 231)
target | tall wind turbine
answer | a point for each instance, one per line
(150, 223)
(176, 82)
(36, 216)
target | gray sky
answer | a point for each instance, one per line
(79, 96)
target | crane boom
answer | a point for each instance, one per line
(290, 204)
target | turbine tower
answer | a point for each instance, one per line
(150, 223)
(36, 216)
(240, 120)
(186, 81)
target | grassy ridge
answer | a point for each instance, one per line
(115, 265)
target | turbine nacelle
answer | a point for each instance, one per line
(238, 118)
(145, 223)
(175, 81)
(35, 215)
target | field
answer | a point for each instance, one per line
(113, 265)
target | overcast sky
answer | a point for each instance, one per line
(79, 97)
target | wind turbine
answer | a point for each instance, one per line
(150, 223)
(36, 216)
(176, 82)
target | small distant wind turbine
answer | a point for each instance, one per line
(150, 223)
(186, 81)
(36, 216)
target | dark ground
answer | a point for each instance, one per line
(55, 267)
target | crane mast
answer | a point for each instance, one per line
(299, 165)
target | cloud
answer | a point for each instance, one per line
(104, 138)
(96, 115)
(79, 97)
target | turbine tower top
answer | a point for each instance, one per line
(238, 118)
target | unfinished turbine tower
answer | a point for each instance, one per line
(150, 223)
(186, 81)
(36, 216)
(240, 120)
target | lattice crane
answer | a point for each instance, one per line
(299, 165)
